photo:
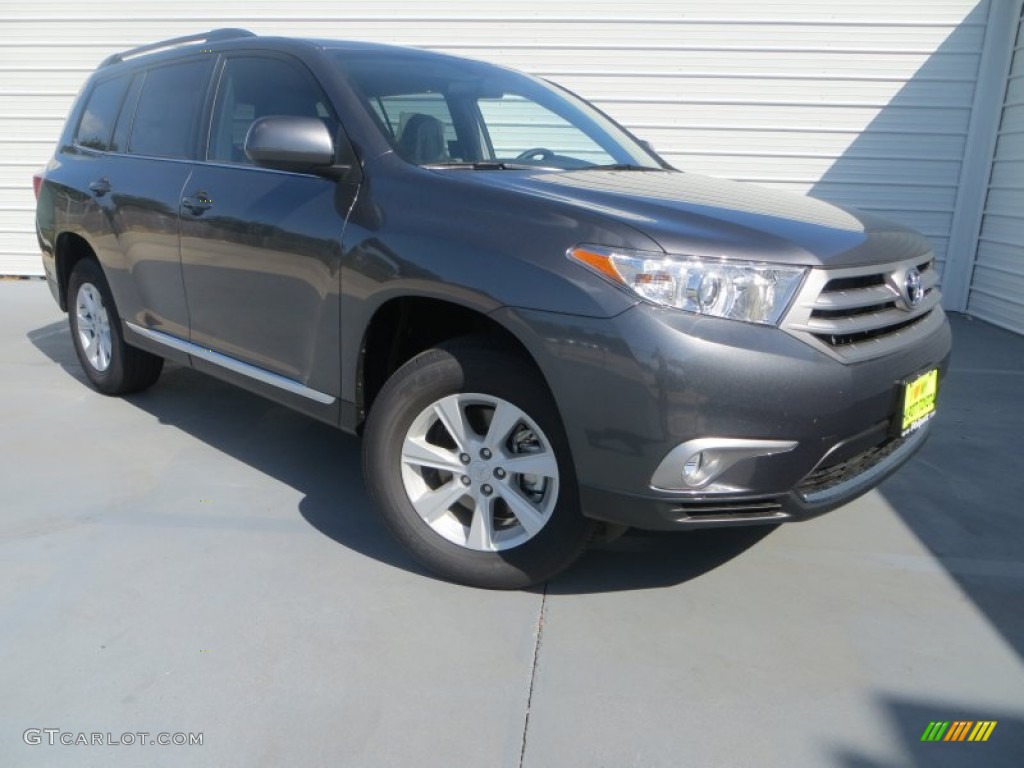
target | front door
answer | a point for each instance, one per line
(261, 248)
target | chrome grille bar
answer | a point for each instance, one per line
(856, 313)
(856, 323)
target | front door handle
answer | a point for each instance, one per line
(100, 187)
(197, 203)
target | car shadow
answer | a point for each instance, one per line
(325, 465)
(653, 559)
(961, 494)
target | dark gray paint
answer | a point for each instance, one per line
(286, 270)
(261, 266)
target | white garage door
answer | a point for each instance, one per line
(997, 286)
(865, 103)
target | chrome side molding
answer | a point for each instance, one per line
(231, 364)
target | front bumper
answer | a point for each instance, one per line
(824, 490)
(633, 387)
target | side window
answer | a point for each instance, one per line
(255, 87)
(421, 124)
(166, 118)
(124, 123)
(97, 123)
(516, 124)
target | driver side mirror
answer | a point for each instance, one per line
(301, 144)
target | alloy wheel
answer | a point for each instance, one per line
(93, 326)
(480, 472)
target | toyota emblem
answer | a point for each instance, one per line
(913, 288)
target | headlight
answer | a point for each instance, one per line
(753, 293)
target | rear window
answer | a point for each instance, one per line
(166, 118)
(97, 123)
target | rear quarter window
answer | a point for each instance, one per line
(101, 110)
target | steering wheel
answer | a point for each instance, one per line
(537, 153)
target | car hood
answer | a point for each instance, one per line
(696, 215)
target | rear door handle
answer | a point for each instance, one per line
(100, 187)
(197, 203)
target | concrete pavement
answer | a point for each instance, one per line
(196, 559)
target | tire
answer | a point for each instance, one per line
(444, 450)
(112, 367)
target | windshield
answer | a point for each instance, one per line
(465, 114)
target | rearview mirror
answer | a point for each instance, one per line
(476, 88)
(290, 143)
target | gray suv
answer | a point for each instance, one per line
(543, 332)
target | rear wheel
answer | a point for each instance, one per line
(111, 366)
(466, 458)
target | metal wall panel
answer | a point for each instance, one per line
(997, 284)
(863, 103)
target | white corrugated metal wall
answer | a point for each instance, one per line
(867, 103)
(997, 285)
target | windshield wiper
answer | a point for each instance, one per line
(489, 165)
(621, 167)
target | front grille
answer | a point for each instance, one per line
(827, 477)
(852, 283)
(860, 312)
(844, 339)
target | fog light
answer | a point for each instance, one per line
(692, 468)
(699, 464)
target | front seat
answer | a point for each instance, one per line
(422, 140)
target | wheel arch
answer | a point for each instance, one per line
(69, 249)
(402, 327)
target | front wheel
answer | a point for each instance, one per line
(466, 457)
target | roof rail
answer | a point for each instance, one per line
(209, 37)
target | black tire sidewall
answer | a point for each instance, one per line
(109, 381)
(450, 370)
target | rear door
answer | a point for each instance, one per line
(261, 248)
(153, 145)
